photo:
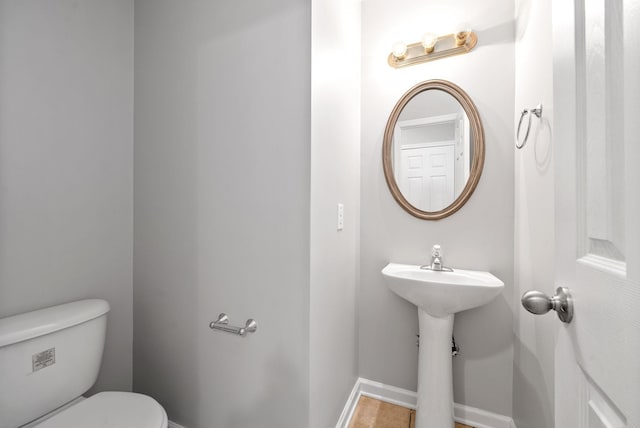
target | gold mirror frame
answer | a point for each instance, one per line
(478, 147)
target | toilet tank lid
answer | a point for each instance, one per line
(21, 327)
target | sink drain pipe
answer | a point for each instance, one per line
(455, 349)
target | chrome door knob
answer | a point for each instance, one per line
(539, 303)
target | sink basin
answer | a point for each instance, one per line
(438, 296)
(442, 293)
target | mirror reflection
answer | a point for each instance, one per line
(432, 150)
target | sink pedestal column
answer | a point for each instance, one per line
(435, 381)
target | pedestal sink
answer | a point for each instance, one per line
(438, 296)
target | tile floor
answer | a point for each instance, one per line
(372, 413)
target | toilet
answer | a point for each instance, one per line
(49, 358)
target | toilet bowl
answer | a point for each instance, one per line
(49, 358)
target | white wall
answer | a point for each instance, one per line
(222, 170)
(66, 154)
(535, 336)
(335, 178)
(479, 236)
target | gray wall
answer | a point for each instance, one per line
(430, 103)
(479, 236)
(66, 153)
(222, 167)
(535, 336)
(335, 178)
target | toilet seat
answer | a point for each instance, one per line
(111, 410)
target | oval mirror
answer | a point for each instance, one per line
(433, 149)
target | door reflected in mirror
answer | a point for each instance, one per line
(433, 149)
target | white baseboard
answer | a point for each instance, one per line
(479, 418)
(174, 425)
(467, 415)
(350, 406)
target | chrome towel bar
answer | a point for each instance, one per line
(222, 323)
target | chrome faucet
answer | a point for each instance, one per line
(436, 261)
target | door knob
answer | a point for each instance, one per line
(539, 303)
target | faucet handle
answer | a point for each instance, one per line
(435, 251)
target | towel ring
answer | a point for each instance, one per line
(538, 112)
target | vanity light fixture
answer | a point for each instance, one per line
(432, 47)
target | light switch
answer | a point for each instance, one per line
(340, 216)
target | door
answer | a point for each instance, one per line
(597, 220)
(427, 176)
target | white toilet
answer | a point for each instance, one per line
(49, 358)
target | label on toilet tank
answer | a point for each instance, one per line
(43, 359)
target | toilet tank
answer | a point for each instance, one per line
(49, 357)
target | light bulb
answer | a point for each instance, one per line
(399, 50)
(462, 32)
(429, 42)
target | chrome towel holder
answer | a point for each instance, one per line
(222, 323)
(537, 111)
